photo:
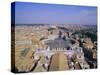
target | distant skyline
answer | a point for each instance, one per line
(39, 13)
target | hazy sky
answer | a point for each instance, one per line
(35, 13)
